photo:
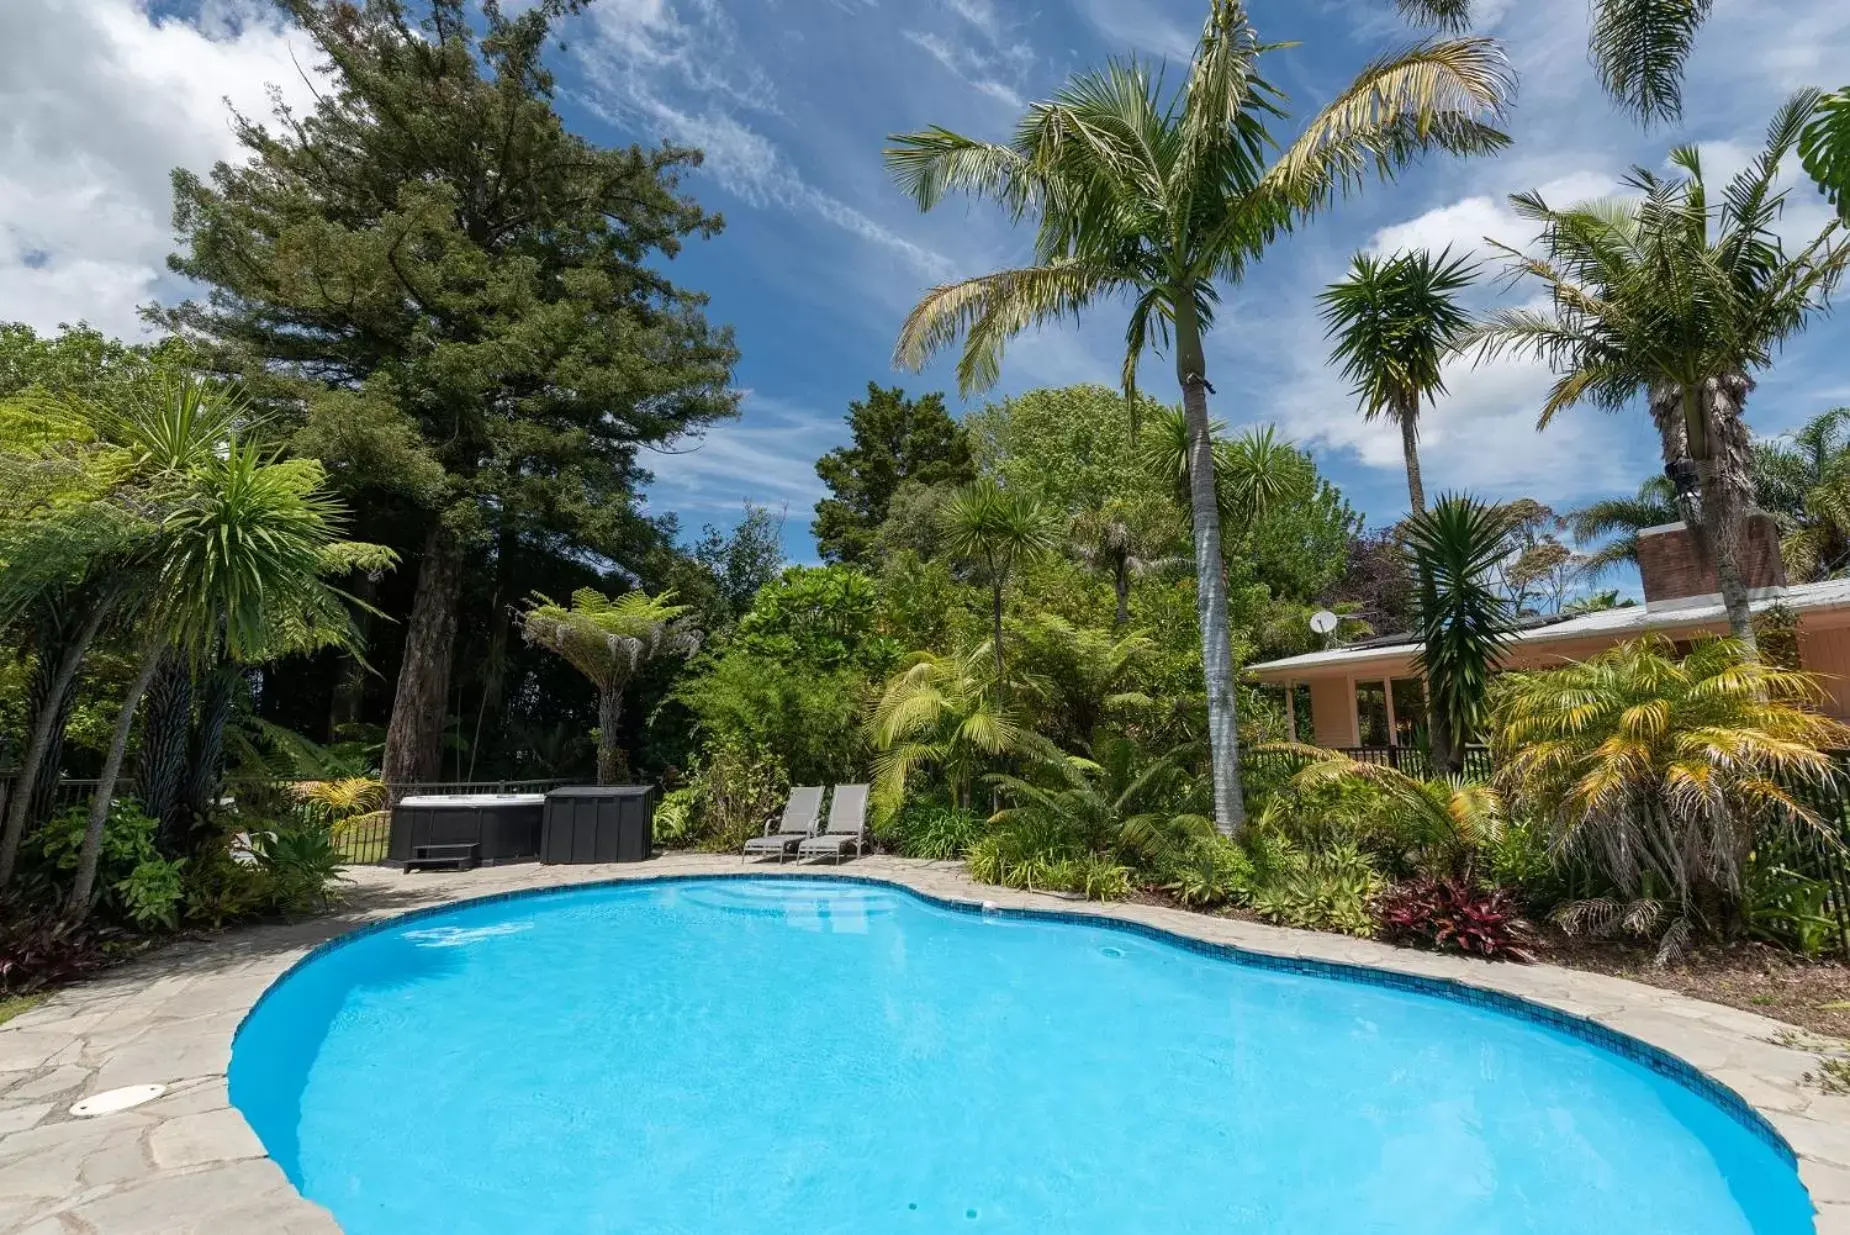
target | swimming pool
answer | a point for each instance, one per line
(790, 1055)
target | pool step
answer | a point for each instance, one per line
(766, 899)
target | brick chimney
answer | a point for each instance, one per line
(1676, 576)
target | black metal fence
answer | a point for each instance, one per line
(363, 838)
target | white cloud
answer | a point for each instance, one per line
(1465, 225)
(1139, 25)
(768, 457)
(99, 101)
(674, 67)
(966, 65)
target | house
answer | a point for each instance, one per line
(1367, 694)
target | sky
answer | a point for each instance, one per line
(821, 257)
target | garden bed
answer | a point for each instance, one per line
(1754, 977)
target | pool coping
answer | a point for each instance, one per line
(188, 1162)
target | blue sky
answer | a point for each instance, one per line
(792, 101)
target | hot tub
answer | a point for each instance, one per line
(503, 827)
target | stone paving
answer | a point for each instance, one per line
(187, 1162)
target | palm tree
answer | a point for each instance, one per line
(1446, 822)
(607, 641)
(1803, 480)
(1396, 321)
(995, 529)
(944, 712)
(1464, 624)
(1680, 300)
(237, 570)
(1162, 196)
(1125, 540)
(1254, 474)
(1622, 518)
(1660, 770)
(1638, 47)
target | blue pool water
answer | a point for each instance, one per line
(724, 1056)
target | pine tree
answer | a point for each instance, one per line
(896, 439)
(454, 299)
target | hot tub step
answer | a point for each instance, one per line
(433, 857)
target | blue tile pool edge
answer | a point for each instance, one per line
(1657, 1059)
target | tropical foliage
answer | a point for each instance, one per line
(607, 641)
(1679, 296)
(1395, 322)
(1662, 772)
(1162, 196)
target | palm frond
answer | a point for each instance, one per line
(1638, 48)
(1444, 93)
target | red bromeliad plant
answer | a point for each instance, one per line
(1450, 914)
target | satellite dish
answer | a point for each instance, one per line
(1323, 621)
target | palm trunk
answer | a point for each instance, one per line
(1723, 468)
(611, 765)
(205, 768)
(414, 738)
(1210, 582)
(47, 722)
(995, 636)
(88, 856)
(1409, 418)
(166, 730)
(1121, 584)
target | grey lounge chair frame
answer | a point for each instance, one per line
(847, 826)
(802, 812)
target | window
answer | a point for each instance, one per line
(1409, 712)
(1371, 713)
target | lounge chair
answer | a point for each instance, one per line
(797, 824)
(847, 825)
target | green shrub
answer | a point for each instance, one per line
(128, 844)
(152, 893)
(218, 889)
(1330, 889)
(302, 863)
(935, 830)
(735, 792)
(1099, 878)
(674, 819)
(1210, 871)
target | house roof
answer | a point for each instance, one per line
(1615, 624)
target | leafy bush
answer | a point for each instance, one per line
(218, 889)
(302, 864)
(1330, 889)
(1452, 915)
(1210, 871)
(935, 830)
(674, 819)
(1790, 908)
(152, 893)
(41, 948)
(1009, 859)
(735, 791)
(1098, 878)
(807, 717)
(128, 845)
